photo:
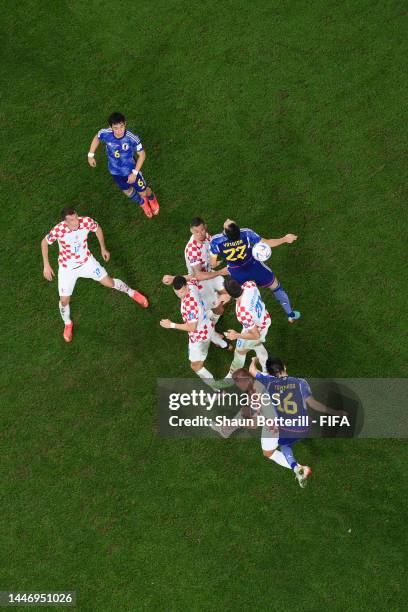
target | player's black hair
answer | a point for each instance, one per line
(116, 118)
(67, 211)
(232, 231)
(179, 282)
(197, 221)
(274, 366)
(232, 287)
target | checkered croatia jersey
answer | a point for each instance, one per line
(193, 310)
(73, 244)
(250, 309)
(198, 253)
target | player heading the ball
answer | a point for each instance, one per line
(126, 157)
(235, 245)
(76, 261)
(197, 256)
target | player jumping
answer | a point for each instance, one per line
(75, 261)
(197, 324)
(121, 147)
(295, 395)
(255, 320)
(198, 255)
(235, 245)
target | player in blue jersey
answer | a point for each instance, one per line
(235, 245)
(290, 398)
(126, 157)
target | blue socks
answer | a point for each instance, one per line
(289, 456)
(136, 198)
(282, 297)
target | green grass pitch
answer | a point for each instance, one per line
(288, 116)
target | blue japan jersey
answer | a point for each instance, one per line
(293, 393)
(120, 151)
(238, 255)
(236, 252)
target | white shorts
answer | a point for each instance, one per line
(248, 345)
(209, 290)
(67, 277)
(269, 439)
(198, 351)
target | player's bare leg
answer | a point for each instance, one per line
(281, 296)
(150, 201)
(133, 194)
(65, 312)
(119, 285)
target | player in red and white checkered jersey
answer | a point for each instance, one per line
(76, 261)
(210, 282)
(198, 256)
(255, 320)
(198, 325)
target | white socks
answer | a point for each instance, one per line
(239, 360)
(207, 377)
(65, 312)
(119, 285)
(205, 374)
(279, 458)
(218, 340)
(237, 363)
(262, 355)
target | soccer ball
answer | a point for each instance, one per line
(261, 251)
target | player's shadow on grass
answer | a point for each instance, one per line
(341, 397)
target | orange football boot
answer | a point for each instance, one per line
(146, 208)
(68, 329)
(154, 205)
(140, 299)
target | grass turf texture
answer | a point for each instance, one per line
(288, 116)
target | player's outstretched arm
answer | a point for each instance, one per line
(168, 278)
(249, 334)
(275, 242)
(101, 239)
(48, 272)
(319, 407)
(253, 370)
(213, 261)
(188, 327)
(201, 275)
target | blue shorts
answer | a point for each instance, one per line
(253, 270)
(121, 181)
(287, 441)
(292, 437)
